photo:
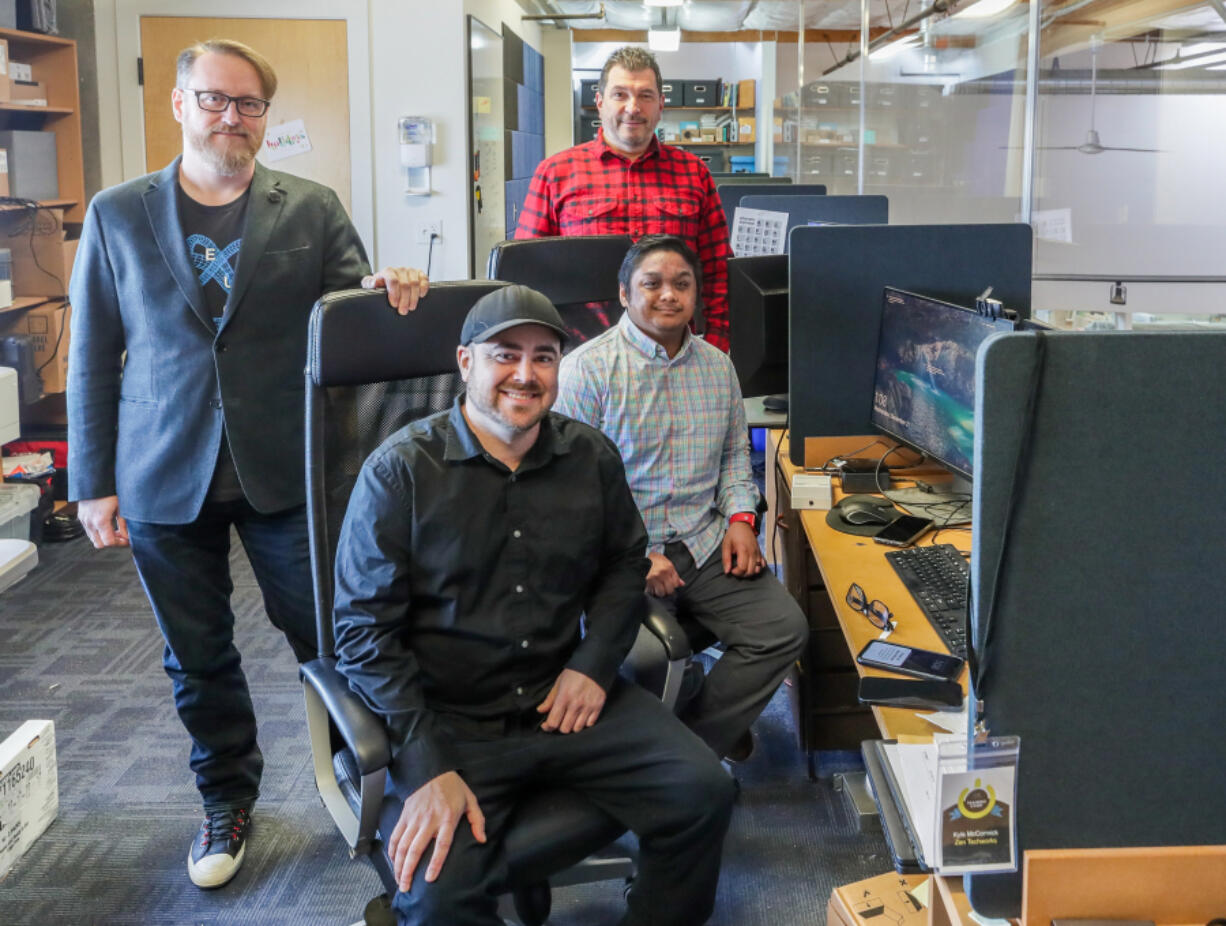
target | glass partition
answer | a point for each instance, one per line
(1112, 156)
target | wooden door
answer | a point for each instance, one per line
(311, 61)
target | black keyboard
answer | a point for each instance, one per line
(936, 578)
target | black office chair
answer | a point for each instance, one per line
(369, 372)
(578, 274)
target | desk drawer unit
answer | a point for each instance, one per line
(823, 686)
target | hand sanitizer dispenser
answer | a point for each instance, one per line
(416, 153)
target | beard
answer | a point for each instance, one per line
(484, 398)
(226, 159)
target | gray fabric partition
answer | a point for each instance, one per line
(836, 277)
(823, 210)
(730, 193)
(1104, 652)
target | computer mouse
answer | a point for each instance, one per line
(859, 511)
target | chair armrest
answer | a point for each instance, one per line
(667, 629)
(359, 726)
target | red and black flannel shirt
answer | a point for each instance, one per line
(591, 189)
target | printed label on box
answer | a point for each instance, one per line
(29, 789)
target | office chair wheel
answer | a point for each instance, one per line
(533, 903)
(378, 912)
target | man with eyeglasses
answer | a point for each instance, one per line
(190, 298)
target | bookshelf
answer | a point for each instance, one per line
(54, 61)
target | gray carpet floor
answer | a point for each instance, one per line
(78, 646)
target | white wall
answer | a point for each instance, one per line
(419, 68)
(559, 93)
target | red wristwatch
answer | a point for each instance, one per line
(745, 517)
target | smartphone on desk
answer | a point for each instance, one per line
(903, 531)
(907, 660)
(922, 694)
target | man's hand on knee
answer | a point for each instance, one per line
(573, 703)
(662, 577)
(432, 812)
(742, 558)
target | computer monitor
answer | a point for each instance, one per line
(758, 317)
(924, 388)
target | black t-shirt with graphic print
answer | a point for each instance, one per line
(213, 237)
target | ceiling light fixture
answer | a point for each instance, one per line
(663, 2)
(664, 39)
(1200, 48)
(1185, 63)
(984, 9)
(890, 49)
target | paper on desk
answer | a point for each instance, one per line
(914, 766)
(952, 720)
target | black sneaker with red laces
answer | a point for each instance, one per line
(218, 850)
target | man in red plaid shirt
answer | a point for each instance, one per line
(626, 183)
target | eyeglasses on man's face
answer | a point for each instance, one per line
(212, 101)
(877, 613)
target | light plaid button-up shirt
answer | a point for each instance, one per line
(680, 427)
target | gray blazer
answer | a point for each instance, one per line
(150, 378)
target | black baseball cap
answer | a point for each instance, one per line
(507, 307)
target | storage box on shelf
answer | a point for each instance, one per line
(823, 121)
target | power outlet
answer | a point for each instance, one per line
(426, 229)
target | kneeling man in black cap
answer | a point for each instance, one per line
(474, 542)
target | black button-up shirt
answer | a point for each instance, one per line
(460, 584)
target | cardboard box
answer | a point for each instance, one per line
(29, 789)
(900, 900)
(4, 71)
(27, 92)
(4, 172)
(47, 326)
(744, 94)
(46, 271)
(746, 128)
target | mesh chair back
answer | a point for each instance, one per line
(578, 274)
(370, 371)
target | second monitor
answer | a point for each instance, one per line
(924, 388)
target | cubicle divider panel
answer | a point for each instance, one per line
(1097, 627)
(824, 210)
(730, 194)
(837, 274)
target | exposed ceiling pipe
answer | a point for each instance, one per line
(565, 16)
(1073, 82)
(938, 6)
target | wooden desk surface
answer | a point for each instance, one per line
(846, 558)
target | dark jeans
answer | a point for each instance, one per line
(185, 569)
(763, 631)
(638, 763)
